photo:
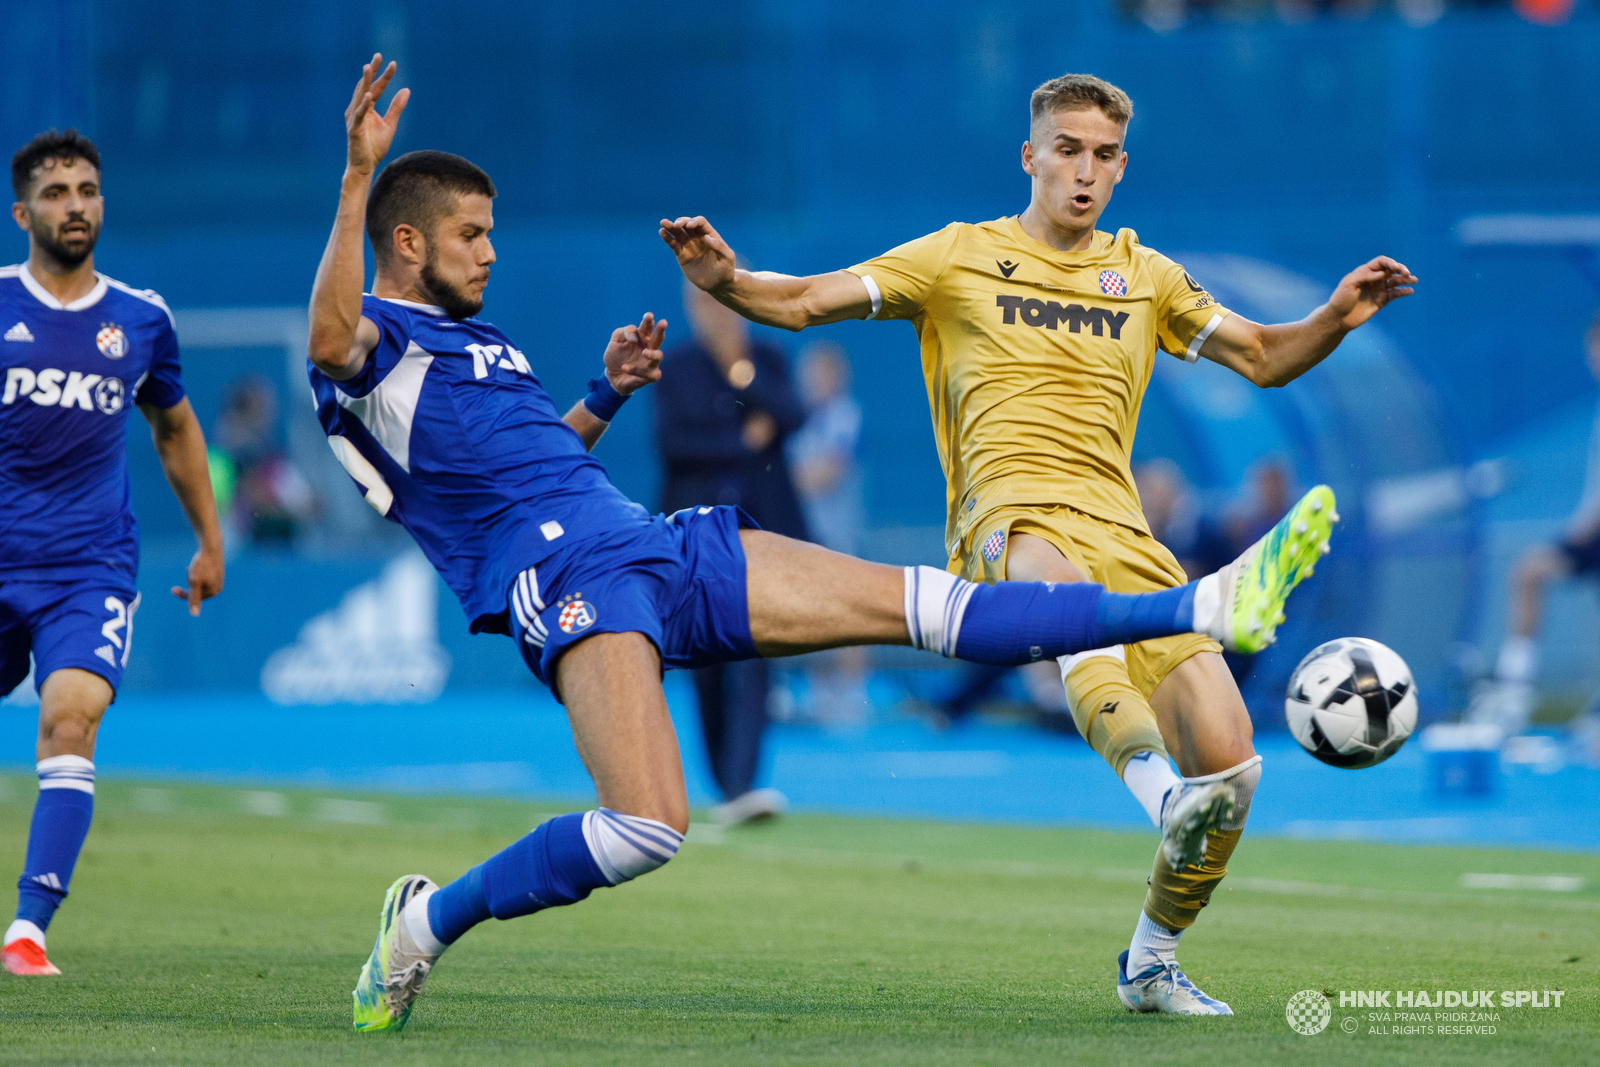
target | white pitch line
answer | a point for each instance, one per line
(1237, 883)
(1549, 883)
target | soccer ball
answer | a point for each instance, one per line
(1352, 703)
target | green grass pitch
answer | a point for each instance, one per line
(213, 925)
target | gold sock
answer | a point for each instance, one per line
(1111, 714)
(1176, 897)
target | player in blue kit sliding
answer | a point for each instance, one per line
(441, 421)
(78, 350)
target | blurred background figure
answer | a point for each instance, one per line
(265, 498)
(1508, 698)
(723, 410)
(1034, 691)
(827, 472)
(1176, 518)
(827, 469)
(1268, 492)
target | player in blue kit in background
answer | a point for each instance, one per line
(441, 421)
(79, 348)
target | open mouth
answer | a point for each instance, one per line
(1083, 201)
(74, 229)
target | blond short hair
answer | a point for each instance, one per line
(1079, 92)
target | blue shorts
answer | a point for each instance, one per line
(86, 623)
(1583, 555)
(680, 581)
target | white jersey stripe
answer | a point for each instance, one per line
(389, 410)
(1193, 352)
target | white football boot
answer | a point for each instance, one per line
(1165, 989)
(393, 975)
(1189, 811)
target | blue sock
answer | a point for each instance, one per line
(546, 869)
(1128, 618)
(61, 818)
(1012, 623)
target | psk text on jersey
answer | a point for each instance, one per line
(51, 387)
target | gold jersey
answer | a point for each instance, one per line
(1037, 360)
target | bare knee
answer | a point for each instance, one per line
(71, 704)
(667, 810)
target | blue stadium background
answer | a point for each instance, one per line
(1270, 157)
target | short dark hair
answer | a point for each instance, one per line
(1079, 92)
(419, 189)
(51, 144)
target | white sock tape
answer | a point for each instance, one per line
(935, 603)
(1117, 652)
(626, 846)
(1222, 776)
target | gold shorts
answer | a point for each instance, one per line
(1119, 558)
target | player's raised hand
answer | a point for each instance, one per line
(205, 578)
(633, 358)
(704, 256)
(1364, 291)
(370, 134)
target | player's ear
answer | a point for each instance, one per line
(1027, 158)
(1122, 168)
(409, 244)
(20, 213)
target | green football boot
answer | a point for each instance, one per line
(1251, 590)
(394, 973)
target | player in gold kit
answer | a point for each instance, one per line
(1039, 336)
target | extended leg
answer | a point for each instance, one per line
(744, 722)
(803, 598)
(612, 687)
(711, 690)
(1508, 700)
(71, 705)
(1534, 572)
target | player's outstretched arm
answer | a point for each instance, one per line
(761, 296)
(1277, 355)
(340, 338)
(181, 444)
(632, 361)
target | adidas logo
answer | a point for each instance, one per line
(379, 645)
(19, 332)
(49, 881)
(105, 653)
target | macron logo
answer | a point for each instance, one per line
(19, 332)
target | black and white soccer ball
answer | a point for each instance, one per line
(1352, 702)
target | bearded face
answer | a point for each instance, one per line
(65, 210)
(69, 241)
(457, 302)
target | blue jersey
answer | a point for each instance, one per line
(448, 432)
(71, 375)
